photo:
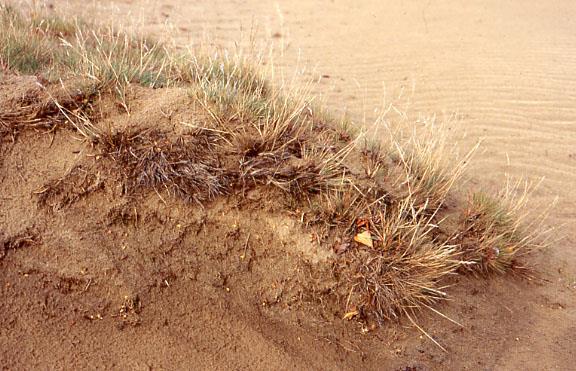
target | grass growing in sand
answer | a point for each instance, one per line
(382, 206)
(498, 230)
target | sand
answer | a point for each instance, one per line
(505, 71)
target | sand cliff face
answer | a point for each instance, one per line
(507, 72)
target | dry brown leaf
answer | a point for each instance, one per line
(365, 238)
(350, 314)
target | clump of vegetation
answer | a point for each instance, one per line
(401, 271)
(497, 231)
(184, 166)
(383, 207)
(21, 49)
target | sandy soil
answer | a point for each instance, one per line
(507, 71)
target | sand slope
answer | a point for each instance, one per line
(507, 70)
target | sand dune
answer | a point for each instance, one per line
(506, 70)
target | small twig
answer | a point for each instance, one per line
(443, 315)
(337, 343)
(424, 332)
(87, 285)
(245, 247)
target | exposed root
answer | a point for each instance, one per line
(18, 241)
(70, 188)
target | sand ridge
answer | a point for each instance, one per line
(507, 72)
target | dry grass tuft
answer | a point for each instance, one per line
(21, 48)
(374, 160)
(336, 209)
(312, 170)
(59, 49)
(498, 231)
(403, 271)
(426, 176)
(183, 166)
(45, 110)
(273, 130)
